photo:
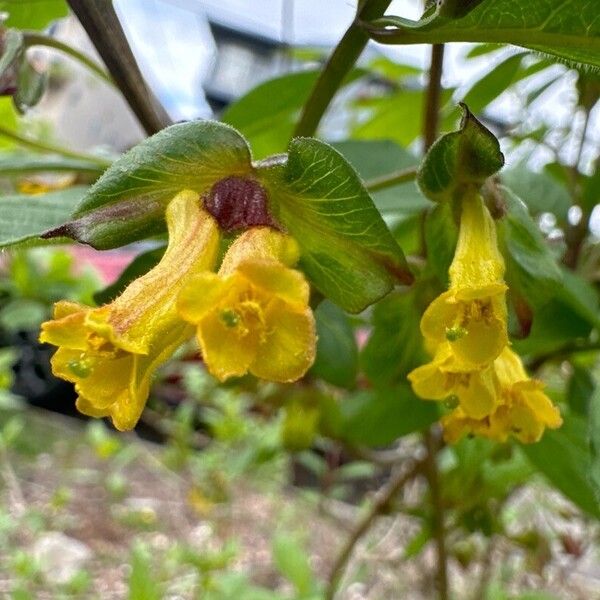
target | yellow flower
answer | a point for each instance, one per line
(471, 315)
(253, 316)
(111, 352)
(443, 379)
(523, 411)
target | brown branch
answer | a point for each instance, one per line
(383, 497)
(432, 97)
(432, 442)
(103, 28)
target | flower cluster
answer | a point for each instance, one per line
(250, 316)
(465, 330)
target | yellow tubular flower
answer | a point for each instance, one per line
(442, 379)
(253, 316)
(471, 315)
(524, 410)
(111, 352)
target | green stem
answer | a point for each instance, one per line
(48, 148)
(33, 38)
(338, 66)
(391, 179)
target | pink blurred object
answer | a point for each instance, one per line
(109, 264)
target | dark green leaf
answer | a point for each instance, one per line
(563, 456)
(531, 267)
(346, 249)
(33, 14)
(395, 345)
(569, 29)
(594, 430)
(580, 388)
(466, 157)
(441, 234)
(140, 265)
(25, 218)
(378, 417)
(127, 203)
(337, 353)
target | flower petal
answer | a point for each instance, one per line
(227, 351)
(289, 348)
(201, 294)
(277, 280)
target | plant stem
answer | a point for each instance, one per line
(438, 528)
(575, 234)
(385, 181)
(49, 148)
(33, 38)
(338, 66)
(380, 504)
(100, 22)
(432, 97)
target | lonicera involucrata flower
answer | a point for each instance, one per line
(111, 352)
(523, 411)
(443, 379)
(253, 316)
(471, 315)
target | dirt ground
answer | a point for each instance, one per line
(75, 501)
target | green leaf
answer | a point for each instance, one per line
(127, 203)
(541, 192)
(266, 115)
(580, 390)
(18, 163)
(441, 235)
(13, 48)
(466, 157)
(563, 456)
(569, 29)
(594, 431)
(497, 80)
(395, 345)
(25, 218)
(347, 251)
(142, 585)
(140, 265)
(291, 559)
(493, 83)
(337, 353)
(378, 417)
(531, 267)
(31, 86)
(33, 14)
(377, 158)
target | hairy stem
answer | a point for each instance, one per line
(338, 66)
(380, 504)
(100, 21)
(51, 149)
(33, 38)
